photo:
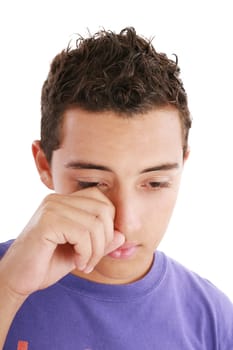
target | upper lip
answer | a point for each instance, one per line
(128, 245)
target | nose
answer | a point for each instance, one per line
(127, 214)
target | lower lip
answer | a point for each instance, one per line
(124, 253)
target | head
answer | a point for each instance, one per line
(115, 115)
(121, 73)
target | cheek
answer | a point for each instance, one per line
(166, 203)
(163, 202)
(158, 211)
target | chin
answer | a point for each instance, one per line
(123, 270)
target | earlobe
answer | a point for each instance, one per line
(186, 155)
(42, 165)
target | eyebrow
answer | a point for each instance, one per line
(84, 165)
(166, 166)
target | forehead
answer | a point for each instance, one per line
(107, 136)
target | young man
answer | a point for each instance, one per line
(86, 273)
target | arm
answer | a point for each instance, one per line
(9, 305)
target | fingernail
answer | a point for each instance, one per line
(88, 269)
(120, 238)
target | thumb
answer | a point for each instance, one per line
(117, 241)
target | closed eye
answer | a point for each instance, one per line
(156, 185)
(87, 184)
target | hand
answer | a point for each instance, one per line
(66, 232)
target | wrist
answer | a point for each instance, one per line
(10, 296)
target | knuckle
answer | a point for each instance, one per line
(96, 223)
(49, 201)
(51, 197)
(106, 204)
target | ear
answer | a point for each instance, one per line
(186, 155)
(42, 165)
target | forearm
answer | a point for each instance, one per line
(9, 305)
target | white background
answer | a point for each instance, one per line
(200, 33)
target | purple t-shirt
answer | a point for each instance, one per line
(171, 308)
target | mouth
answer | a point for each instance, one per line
(126, 251)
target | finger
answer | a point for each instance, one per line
(98, 245)
(117, 241)
(89, 233)
(95, 202)
(83, 249)
(95, 229)
(101, 208)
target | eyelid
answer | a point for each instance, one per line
(91, 182)
(155, 185)
(90, 179)
(157, 178)
(85, 184)
(163, 181)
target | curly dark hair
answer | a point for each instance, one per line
(106, 71)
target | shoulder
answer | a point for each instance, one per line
(4, 247)
(192, 282)
(201, 298)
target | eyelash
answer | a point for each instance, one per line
(156, 185)
(84, 184)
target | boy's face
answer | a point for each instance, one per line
(142, 160)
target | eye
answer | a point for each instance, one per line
(86, 184)
(156, 185)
